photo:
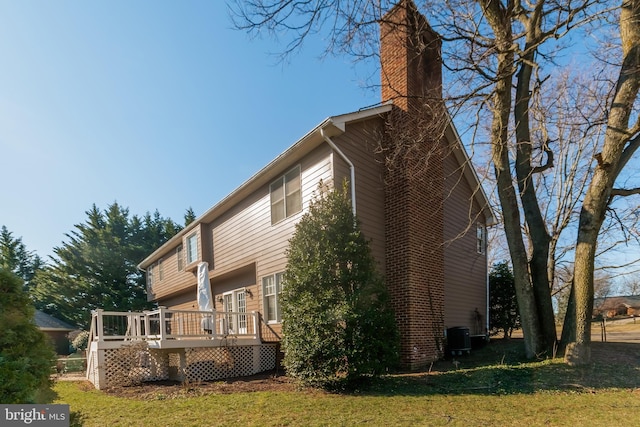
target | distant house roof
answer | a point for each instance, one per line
(611, 303)
(49, 323)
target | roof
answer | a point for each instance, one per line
(611, 303)
(47, 322)
(331, 126)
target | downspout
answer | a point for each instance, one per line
(351, 168)
(486, 263)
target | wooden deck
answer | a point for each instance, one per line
(175, 344)
(163, 328)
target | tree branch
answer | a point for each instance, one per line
(548, 164)
(624, 192)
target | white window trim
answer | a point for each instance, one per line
(235, 310)
(179, 255)
(278, 282)
(150, 278)
(282, 183)
(188, 259)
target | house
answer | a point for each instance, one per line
(56, 329)
(610, 307)
(412, 187)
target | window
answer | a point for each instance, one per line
(160, 270)
(271, 288)
(192, 248)
(235, 307)
(286, 197)
(180, 258)
(481, 244)
(149, 278)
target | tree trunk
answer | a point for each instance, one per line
(569, 323)
(500, 21)
(620, 142)
(539, 237)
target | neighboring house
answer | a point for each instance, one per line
(56, 329)
(611, 307)
(413, 189)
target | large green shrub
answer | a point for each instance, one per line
(337, 325)
(26, 356)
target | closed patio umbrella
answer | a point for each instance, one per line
(205, 296)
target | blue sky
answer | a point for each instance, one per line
(153, 104)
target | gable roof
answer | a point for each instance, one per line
(47, 322)
(330, 127)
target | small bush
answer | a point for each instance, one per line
(81, 341)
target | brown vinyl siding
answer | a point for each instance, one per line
(183, 301)
(173, 280)
(359, 143)
(465, 269)
(242, 278)
(242, 236)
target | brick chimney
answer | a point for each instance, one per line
(411, 77)
(410, 57)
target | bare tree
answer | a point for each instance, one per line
(630, 285)
(621, 141)
(499, 54)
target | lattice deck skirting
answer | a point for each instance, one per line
(136, 363)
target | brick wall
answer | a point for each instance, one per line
(414, 178)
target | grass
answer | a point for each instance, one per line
(492, 387)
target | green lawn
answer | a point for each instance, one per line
(492, 387)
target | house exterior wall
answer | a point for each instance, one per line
(465, 270)
(241, 245)
(59, 341)
(359, 144)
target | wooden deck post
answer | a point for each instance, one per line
(163, 328)
(147, 324)
(99, 324)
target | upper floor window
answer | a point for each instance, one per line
(271, 288)
(481, 241)
(149, 278)
(160, 270)
(286, 195)
(180, 258)
(192, 248)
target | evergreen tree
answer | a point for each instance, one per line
(15, 258)
(26, 357)
(503, 311)
(337, 324)
(189, 216)
(96, 268)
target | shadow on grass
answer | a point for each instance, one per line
(499, 369)
(77, 419)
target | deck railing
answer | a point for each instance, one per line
(165, 324)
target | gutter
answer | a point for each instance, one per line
(352, 168)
